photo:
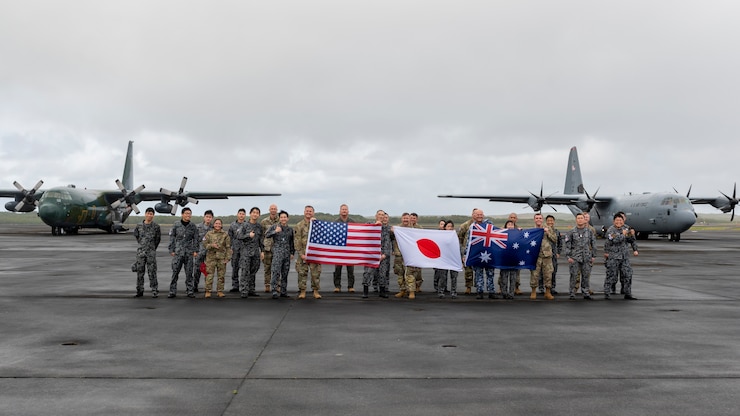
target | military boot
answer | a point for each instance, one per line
(302, 295)
(316, 294)
(548, 295)
(401, 294)
(365, 291)
(534, 294)
(208, 294)
(412, 295)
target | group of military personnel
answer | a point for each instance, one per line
(208, 248)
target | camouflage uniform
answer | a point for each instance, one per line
(216, 258)
(301, 267)
(236, 246)
(283, 246)
(202, 230)
(544, 260)
(617, 245)
(440, 275)
(398, 267)
(507, 280)
(148, 236)
(556, 250)
(462, 235)
(580, 245)
(380, 274)
(267, 247)
(249, 258)
(338, 269)
(415, 272)
(184, 243)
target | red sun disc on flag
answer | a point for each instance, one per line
(428, 248)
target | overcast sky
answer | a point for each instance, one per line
(377, 104)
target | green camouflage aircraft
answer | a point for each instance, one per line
(67, 209)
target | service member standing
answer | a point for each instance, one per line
(283, 250)
(250, 237)
(203, 228)
(266, 223)
(234, 229)
(148, 235)
(183, 247)
(301, 267)
(344, 217)
(218, 254)
(544, 260)
(380, 273)
(462, 236)
(616, 254)
(580, 249)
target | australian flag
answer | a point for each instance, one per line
(491, 247)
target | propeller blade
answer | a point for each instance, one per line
(732, 217)
(120, 186)
(182, 184)
(139, 189)
(167, 191)
(174, 209)
(192, 200)
(117, 203)
(689, 191)
(20, 205)
(135, 208)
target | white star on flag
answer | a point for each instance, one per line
(485, 256)
(533, 243)
(515, 246)
(526, 234)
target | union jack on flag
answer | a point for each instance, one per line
(487, 235)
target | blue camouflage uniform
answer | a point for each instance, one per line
(580, 245)
(479, 271)
(183, 243)
(283, 246)
(617, 245)
(381, 273)
(249, 263)
(148, 236)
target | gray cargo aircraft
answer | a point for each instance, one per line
(66, 209)
(648, 213)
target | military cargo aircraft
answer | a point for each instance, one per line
(67, 209)
(662, 213)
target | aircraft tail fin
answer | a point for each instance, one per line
(128, 167)
(573, 180)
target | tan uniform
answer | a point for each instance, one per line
(301, 267)
(267, 261)
(216, 257)
(462, 235)
(544, 260)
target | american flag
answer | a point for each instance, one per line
(349, 244)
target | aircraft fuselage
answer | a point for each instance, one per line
(648, 213)
(68, 209)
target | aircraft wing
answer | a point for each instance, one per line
(156, 196)
(536, 202)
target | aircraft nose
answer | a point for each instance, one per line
(686, 219)
(51, 214)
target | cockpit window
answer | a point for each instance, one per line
(56, 195)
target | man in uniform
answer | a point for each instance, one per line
(399, 268)
(556, 249)
(250, 237)
(544, 260)
(380, 273)
(344, 217)
(283, 250)
(616, 254)
(236, 246)
(148, 235)
(580, 249)
(513, 217)
(266, 223)
(481, 220)
(184, 247)
(203, 228)
(301, 267)
(415, 271)
(462, 235)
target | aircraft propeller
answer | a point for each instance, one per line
(731, 202)
(592, 201)
(180, 197)
(541, 200)
(128, 197)
(28, 195)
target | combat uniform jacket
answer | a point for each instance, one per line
(148, 236)
(250, 246)
(463, 233)
(266, 224)
(184, 239)
(616, 243)
(301, 236)
(283, 243)
(202, 230)
(580, 244)
(235, 229)
(223, 252)
(548, 240)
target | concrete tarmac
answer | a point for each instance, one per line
(76, 342)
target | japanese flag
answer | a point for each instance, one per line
(429, 248)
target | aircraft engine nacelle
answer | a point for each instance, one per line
(10, 206)
(163, 208)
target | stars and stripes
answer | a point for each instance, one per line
(349, 244)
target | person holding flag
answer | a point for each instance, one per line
(480, 222)
(544, 260)
(301, 266)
